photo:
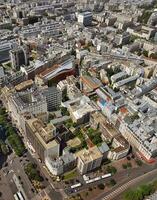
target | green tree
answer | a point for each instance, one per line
(124, 166)
(145, 53)
(153, 55)
(146, 189)
(112, 182)
(32, 172)
(111, 169)
(129, 165)
(64, 111)
(64, 95)
(129, 195)
(139, 162)
(4, 148)
(101, 186)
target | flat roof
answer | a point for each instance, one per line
(88, 155)
(44, 133)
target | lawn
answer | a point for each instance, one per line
(70, 175)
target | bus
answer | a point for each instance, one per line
(76, 185)
(20, 195)
(16, 197)
(106, 175)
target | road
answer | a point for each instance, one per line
(119, 189)
(122, 178)
(56, 194)
(5, 188)
(16, 167)
(48, 182)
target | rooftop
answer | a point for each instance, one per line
(92, 82)
(89, 155)
(43, 132)
(24, 85)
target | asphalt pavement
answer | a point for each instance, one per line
(136, 177)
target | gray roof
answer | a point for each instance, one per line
(104, 148)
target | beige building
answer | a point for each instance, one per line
(99, 121)
(24, 85)
(41, 137)
(6, 92)
(81, 110)
(142, 32)
(120, 148)
(89, 159)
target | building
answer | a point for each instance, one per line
(41, 137)
(119, 76)
(53, 97)
(125, 81)
(73, 92)
(89, 84)
(141, 134)
(99, 121)
(146, 87)
(15, 78)
(142, 32)
(4, 52)
(70, 80)
(87, 160)
(104, 149)
(62, 164)
(85, 18)
(80, 111)
(19, 57)
(56, 72)
(2, 74)
(122, 39)
(70, 85)
(26, 101)
(120, 148)
(24, 85)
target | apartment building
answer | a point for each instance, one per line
(88, 160)
(120, 148)
(142, 136)
(62, 164)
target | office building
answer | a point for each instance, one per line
(85, 18)
(4, 52)
(41, 137)
(53, 97)
(19, 57)
(26, 101)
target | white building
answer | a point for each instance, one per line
(85, 18)
(60, 165)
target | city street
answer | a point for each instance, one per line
(5, 188)
(15, 165)
(134, 179)
(124, 180)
